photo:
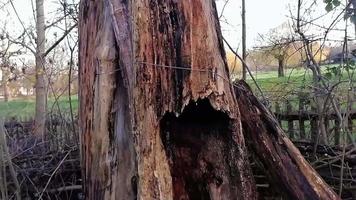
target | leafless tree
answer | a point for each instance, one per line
(37, 38)
(7, 67)
(278, 43)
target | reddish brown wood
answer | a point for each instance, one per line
(159, 118)
(287, 168)
(148, 126)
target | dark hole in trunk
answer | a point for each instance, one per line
(199, 149)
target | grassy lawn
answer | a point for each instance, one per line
(295, 80)
(273, 87)
(25, 108)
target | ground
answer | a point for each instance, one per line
(25, 108)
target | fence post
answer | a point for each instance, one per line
(290, 121)
(278, 111)
(301, 120)
(314, 130)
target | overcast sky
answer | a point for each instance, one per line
(261, 15)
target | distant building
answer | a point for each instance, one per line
(336, 54)
(26, 91)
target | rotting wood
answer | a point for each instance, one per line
(285, 165)
(131, 96)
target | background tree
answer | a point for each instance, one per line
(244, 51)
(278, 43)
(7, 66)
(35, 42)
(41, 88)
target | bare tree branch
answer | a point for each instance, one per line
(60, 39)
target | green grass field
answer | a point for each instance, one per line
(25, 108)
(273, 87)
(295, 80)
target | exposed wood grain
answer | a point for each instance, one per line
(287, 168)
(123, 115)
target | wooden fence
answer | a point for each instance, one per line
(300, 120)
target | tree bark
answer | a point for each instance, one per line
(41, 91)
(158, 115)
(286, 167)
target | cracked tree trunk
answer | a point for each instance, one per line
(159, 118)
(150, 130)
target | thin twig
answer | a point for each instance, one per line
(53, 173)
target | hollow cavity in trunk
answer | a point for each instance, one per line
(199, 148)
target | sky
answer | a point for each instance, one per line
(264, 15)
(10, 22)
(261, 16)
(25, 11)
(271, 13)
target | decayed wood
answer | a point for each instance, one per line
(153, 76)
(158, 116)
(107, 151)
(282, 160)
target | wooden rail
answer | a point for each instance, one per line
(308, 115)
(301, 121)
